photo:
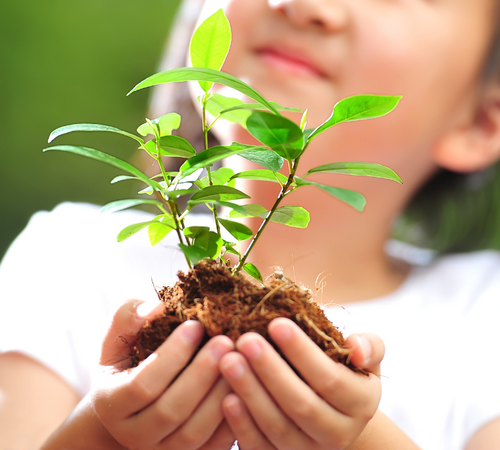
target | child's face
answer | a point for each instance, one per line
(312, 53)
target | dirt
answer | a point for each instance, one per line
(232, 305)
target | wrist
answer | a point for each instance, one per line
(82, 430)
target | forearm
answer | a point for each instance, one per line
(381, 433)
(82, 430)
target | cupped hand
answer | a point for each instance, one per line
(167, 402)
(273, 408)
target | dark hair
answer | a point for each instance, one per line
(452, 212)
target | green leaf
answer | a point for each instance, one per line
(157, 231)
(292, 216)
(203, 74)
(238, 230)
(90, 127)
(253, 272)
(262, 156)
(258, 106)
(132, 229)
(250, 210)
(277, 132)
(120, 205)
(193, 232)
(358, 107)
(273, 130)
(219, 193)
(220, 176)
(207, 158)
(209, 241)
(120, 178)
(262, 175)
(219, 103)
(231, 205)
(210, 44)
(167, 123)
(357, 168)
(193, 253)
(172, 146)
(352, 198)
(105, 158)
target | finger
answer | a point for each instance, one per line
(350, 393)
(222, 439)
(198, 429)
(275, 425)
(132, 391)
(368, 351)
(242, 425)
(311, 413)
(178, 403)
(126, 323)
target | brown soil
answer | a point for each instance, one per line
(232, 305)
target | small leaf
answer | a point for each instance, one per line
(277, 132)
(157, 231)
(250, 210)
(253, 272)
(207, 158)
(174, 146)
(231, 205)
(262, 175)
(292, 216)
(108, 159)
(262, 156)
(209, 241)
(358, 107)
(352, 198)
(193, 232)
(203, 74)
(193, 253)
(238, 230)
(132, 229)
(219, 177)
(120, 205)
(167, 123)
(218, 103)
(219, 193)
(210, 44)
(357, 168)
(258, 106)
(90, 127)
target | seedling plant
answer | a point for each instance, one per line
(282, 144)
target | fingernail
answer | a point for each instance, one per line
(366, 349)
(233, 369)
(282, 330)
(251, 349)
(144, 309)
(233, 407)
(192, 331)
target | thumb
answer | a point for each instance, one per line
(126, 323)
(368, 351)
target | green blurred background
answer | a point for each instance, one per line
(67, 62)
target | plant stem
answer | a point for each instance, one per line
(264, 223)
(209, 172)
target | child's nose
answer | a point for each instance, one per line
(331, 15)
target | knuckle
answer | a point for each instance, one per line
(166, 417)
(139, 389)
(275, 432)
(305, 410)
(330, 385)
(191, 438)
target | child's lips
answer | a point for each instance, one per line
(290, 62)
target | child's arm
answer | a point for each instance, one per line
(156, 402)
(272, 408)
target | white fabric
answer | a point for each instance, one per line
(65, 275)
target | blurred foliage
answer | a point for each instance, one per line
(70, 62)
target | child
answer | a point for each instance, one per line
(438, 321)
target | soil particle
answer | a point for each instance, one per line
(232, 305)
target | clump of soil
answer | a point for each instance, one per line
(232, 305)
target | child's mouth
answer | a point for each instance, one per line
(289, 62)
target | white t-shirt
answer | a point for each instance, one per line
(65, 275)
